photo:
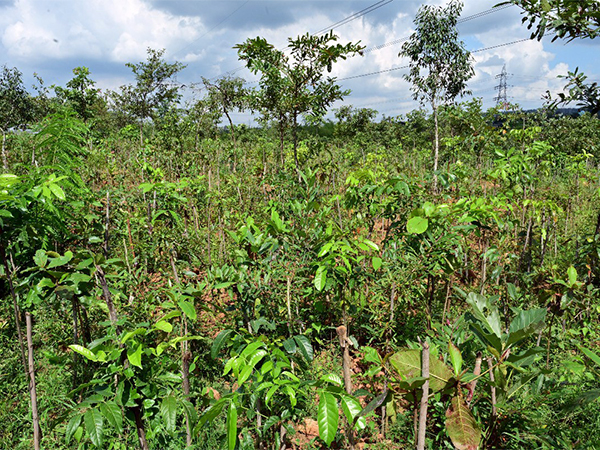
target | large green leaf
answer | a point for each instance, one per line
(491, 322)
(417, 225)
(525, 324)
(408, 364)
(168, 411)
(134, 355)
(112, 413)
(352, 409)
(231, 426)
(461, 426)
(209, 414)
(94, 426)
(305, 347)
(60, 260)
(320, 278)
(72, 426)
(249, 366)
(188, 309)
(84, 351)
(328, 417)
(455, 358)
(218, 343)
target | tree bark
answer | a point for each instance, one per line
(4, 156)
(37, 434)
(436, 151)
(424, 398)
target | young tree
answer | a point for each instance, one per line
(15, 105)
(229, 94)
(440, 66)
(153, 90)
(569, 19)
(296, 85)
(80, 93)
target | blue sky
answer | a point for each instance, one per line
(51, 37)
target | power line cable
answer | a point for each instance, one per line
(354, 16)
(466, 19)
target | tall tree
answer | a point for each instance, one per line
(15, 105)
(440, 66)
(297, 85)
(153, 90)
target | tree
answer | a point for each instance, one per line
(440, 66)
(15, 105)
(569, 19)
(291, 87)
(229, 94)
(80, 93)
(153, 91)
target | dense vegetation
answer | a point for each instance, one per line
(169, 283)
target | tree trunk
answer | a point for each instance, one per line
(436, 151)
(424, 398)
(15, 305)
(139, 425)
(4, 156)
(37, 434)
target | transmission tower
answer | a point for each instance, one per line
(502, 88)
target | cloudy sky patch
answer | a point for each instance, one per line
(51, 37)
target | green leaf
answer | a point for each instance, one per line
(417, 225)
(248, 368)
(408, 364)
(320, 278)
(112, 413)
(60, 260)
(134, 355)
(327, 417)
(305, 347)
(525, 324)
(352, 409)
(41, 258)
(168, 411)
(376, 262)
(333, 378)
(210, 414)
(188, 309)
(325, 249)
(57, 191)
(72, 426)
(231, 426)
(94, 426)
(83, 351)
(130, 334)
(590, 354)
(572, 275)
(218, 343)
(455, 358)
(163, 326)
(371, 244)
(461, 426)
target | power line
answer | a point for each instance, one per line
(405, 67)
(466, 19)
(354, 16)
(339, 23)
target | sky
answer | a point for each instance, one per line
(52, 37)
